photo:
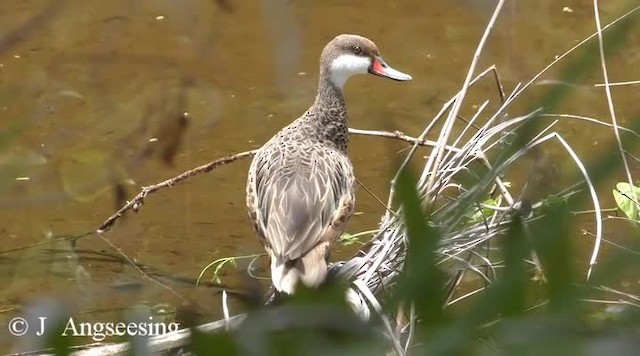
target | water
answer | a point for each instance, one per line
(92, 92)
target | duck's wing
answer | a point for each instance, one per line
(301, 198)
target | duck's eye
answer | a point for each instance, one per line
(357, 50)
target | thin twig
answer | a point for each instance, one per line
(401, 136)
(388, 208)
(590, 120)
(614, 84)
(138, 200)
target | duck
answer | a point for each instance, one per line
(301, 183)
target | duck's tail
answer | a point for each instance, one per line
(311, 269)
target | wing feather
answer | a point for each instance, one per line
(298, 193)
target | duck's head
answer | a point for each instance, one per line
(347, 55)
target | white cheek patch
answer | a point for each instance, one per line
(347, 65)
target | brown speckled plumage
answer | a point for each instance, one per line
(300, 189)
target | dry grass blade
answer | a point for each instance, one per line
(453, 114)
(379, 267)
(614, 120)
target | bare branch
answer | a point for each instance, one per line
(138, 200)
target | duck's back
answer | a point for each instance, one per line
(298, 186)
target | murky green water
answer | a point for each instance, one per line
(85, 87)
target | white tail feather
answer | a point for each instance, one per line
(285, 276)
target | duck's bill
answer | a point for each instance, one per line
(381, 68)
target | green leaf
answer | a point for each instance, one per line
(347, 239)
(479, 213)
(624, 195)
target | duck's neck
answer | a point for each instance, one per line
(329, 112)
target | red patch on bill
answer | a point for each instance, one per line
(377, 66)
